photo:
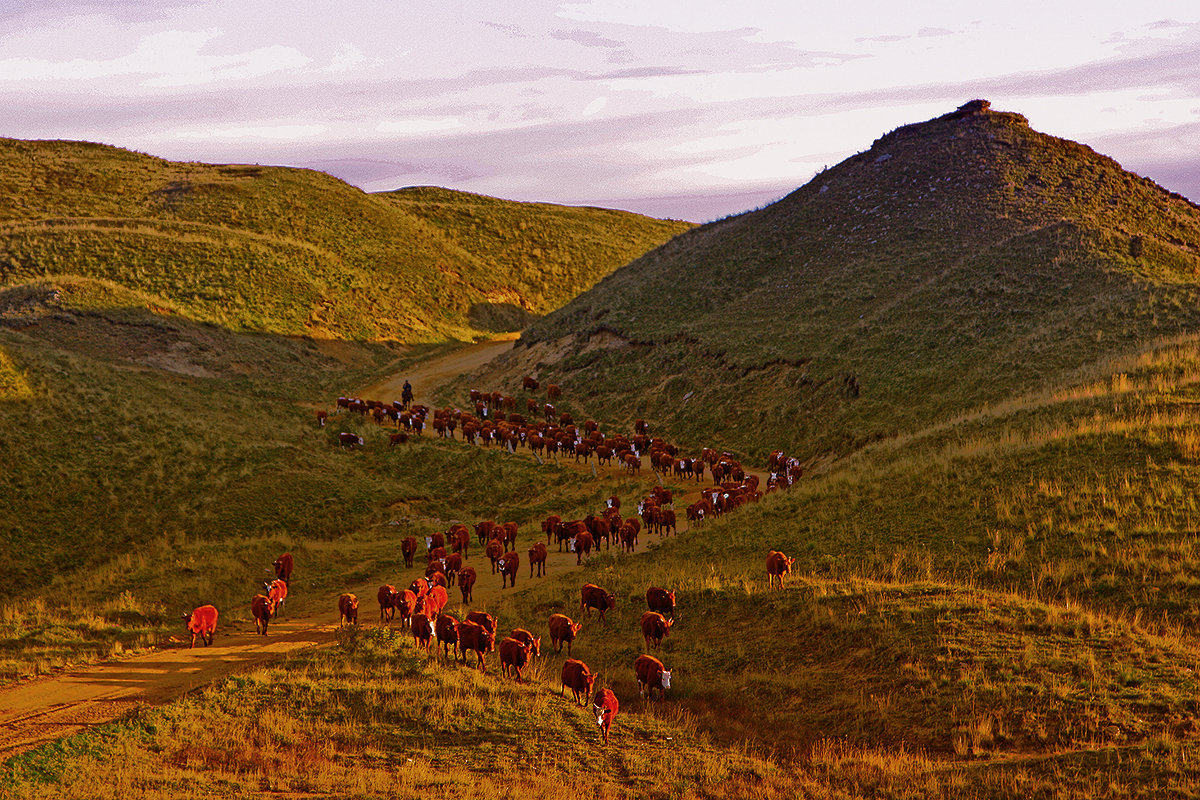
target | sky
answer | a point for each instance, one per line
(688, 109)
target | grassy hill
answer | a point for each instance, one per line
(295, 252)
(955, 263)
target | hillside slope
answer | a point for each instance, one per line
(287, 251)
(955, 263)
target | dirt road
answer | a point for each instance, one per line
(429, 375)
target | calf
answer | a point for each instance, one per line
(577, 676)
(408, 548)
(605, 706)
(388, 598)
(535, 644)
(651, 675)
(466, 583)
(348, 609)
(263, 608)
(654, 627)
(514, 655)
(778, 565)
(562, 629)
(202, 622)
(661, 600)
(473, 636)
(592, 596)
(283, 568)
(537, 556)
(508, 569)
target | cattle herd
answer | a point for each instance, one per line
(493, 419)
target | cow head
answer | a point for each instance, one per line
(601, 713)
(610, 601)
(666, 679)
(536, 646)
(576, 627)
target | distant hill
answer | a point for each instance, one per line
(956, 263)
(295, 252)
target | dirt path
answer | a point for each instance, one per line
(429, 375)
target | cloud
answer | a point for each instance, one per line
(926, 33)
(586, 38)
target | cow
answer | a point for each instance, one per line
(277, 592)
(562, 629)
(349, 440)
(483, 618)
(445, 628)
(322, 416)
(553, 391)
(466, 583)
(579, 678)
(529, 383)
(605, 706)
(509, 565)
(202, 622)
(651, 675)
(348, 609)
(263, 608)
(509, 537)
(551, 525)
(408, 548)
(660, 600)
(473, 636)
(452, 564)
(397, 438)
(514, 655)
(407, 604)
(537, 557)
(433, 601)
(494, 551)
(628, 534)
(461, 540)
(283, 568)
(654, 627)
(592, 596)
(534, 644)
(666, 522)
(435, 540)
(388, 598)
(778, 565)
(483, 530)
(422, 630)
(583, 546)
(436, 554)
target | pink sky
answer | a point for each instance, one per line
(692, 109)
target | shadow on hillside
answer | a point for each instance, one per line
(499, 317)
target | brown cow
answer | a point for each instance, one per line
(592, 596)
(628, 535)
(277, 592)
(553, 391)
(582, 545)
(473, 636)
(466, 583)
(349, 440)
(435, 540)
(262, 608)
(283, 568)
(483, 530)
(397, 438)
(422, 630)
(388, 597)
(508, 569)
(576, 675)
(514, 655)
(537, 557)
(534, 644)
(494, 551)
(483, 618)
(651, 675)
(348, 609)
(407, 603)
(562, 629)
(654, 627)
(202, 622)
(605, 706)
(660, 600)
(778, 565)
(433, 601)
(510, 534)
(461, 541)
(529, 383)
(322, 417)
(408, 549)
(445, 629)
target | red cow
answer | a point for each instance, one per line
(473, 636)
(509, 565)
(445, 629)
(452, 564)
(283, 568)
(514, 655)
(466, 583)
(388, 598)
(510, 534)
(534, 644)
(349, 440)
(628, 535)
(654, 627)
(483, 530)
(582, 546)
(562, 629)
(605, 706)
(433, 541)
(433, 601)
(348, 609)
(408, 548)
(436, 554)
(529, 383)
(422, 630)
(778, 565)
(322, 416)
(651, 675)
(551, 525)
(577, 676)
(553, 391)
(277, 592)
(537, 556)
(397, 438)
(263, 609)
(483, 618)
(494, 551)
(461, 542)
(592, 596)
(666, 522)
(661, 600)
(407, 604)
(202, 622)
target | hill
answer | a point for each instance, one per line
(294, 252)
(956, 263)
